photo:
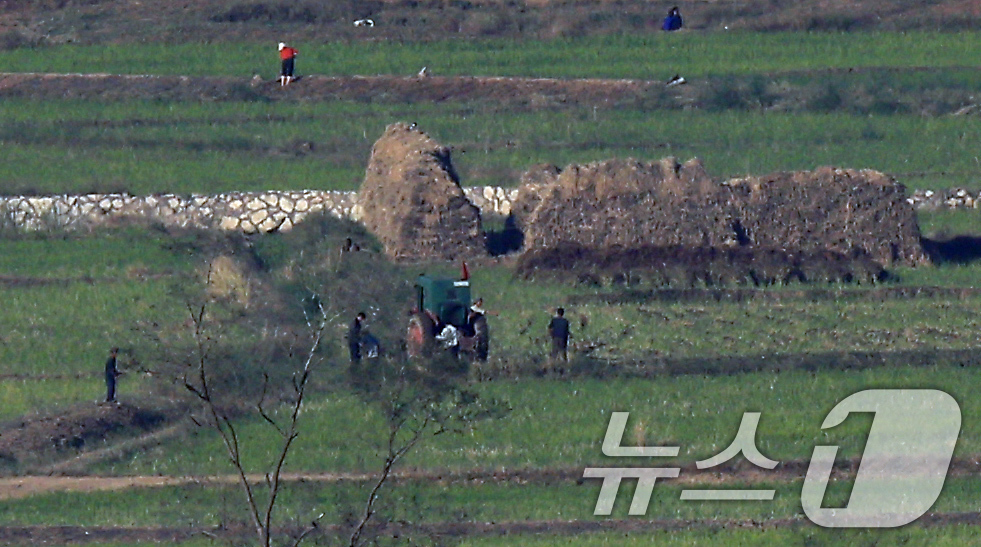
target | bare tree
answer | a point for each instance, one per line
(419, 401)
(198, 379)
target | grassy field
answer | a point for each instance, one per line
(101, 285)
(944, 536)
(210, 505)
(69, 298)
(562, 423)
(863, 119)
(144, 147)
(633, 56)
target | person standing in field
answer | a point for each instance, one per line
(558, 332)
(673, 21)
(111, 374)
(354, 337)
(287, 55)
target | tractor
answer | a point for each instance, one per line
(441, 301)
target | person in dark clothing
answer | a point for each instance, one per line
(111, 374)
(558, 331)
(354, 333)
(477, 326)
(673, 21)
(350, 246)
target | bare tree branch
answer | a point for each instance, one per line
(201, 388)
(262, 411)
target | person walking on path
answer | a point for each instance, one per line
(354, 333)
(287, 55)
(558, 332)
(111, 374)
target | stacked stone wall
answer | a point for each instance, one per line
(249, 212)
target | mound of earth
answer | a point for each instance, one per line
(38, 438)
(625, 208)
(412, 201)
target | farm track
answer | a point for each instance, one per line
(393, 89)
(20, 487)
(511, 92)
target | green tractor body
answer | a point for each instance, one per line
(448, 299)
(441, 301)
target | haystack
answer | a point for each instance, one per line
(412, 201)
(628, 204)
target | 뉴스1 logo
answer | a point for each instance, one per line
(900, 476)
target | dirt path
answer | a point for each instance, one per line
(503, 92)
(25, 486)
(391, 88)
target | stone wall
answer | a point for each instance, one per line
(247, 211)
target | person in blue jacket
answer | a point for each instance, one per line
(673, 21)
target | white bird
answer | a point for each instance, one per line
(424, 72)
(364, 23)
(677, 80)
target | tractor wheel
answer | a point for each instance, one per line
(419, 338)
(482, 334)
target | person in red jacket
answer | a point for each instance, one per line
(287, 54)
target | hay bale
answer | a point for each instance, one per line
(412, 200)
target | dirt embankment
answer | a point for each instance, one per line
(33, 440)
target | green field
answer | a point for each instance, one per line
(630, 56)
(69, 297)
(218, 147)
(861, 120)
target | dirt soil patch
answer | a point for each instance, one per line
(35, 439)
(509, 91)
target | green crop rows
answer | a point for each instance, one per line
(640, 57)
(68, 298)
